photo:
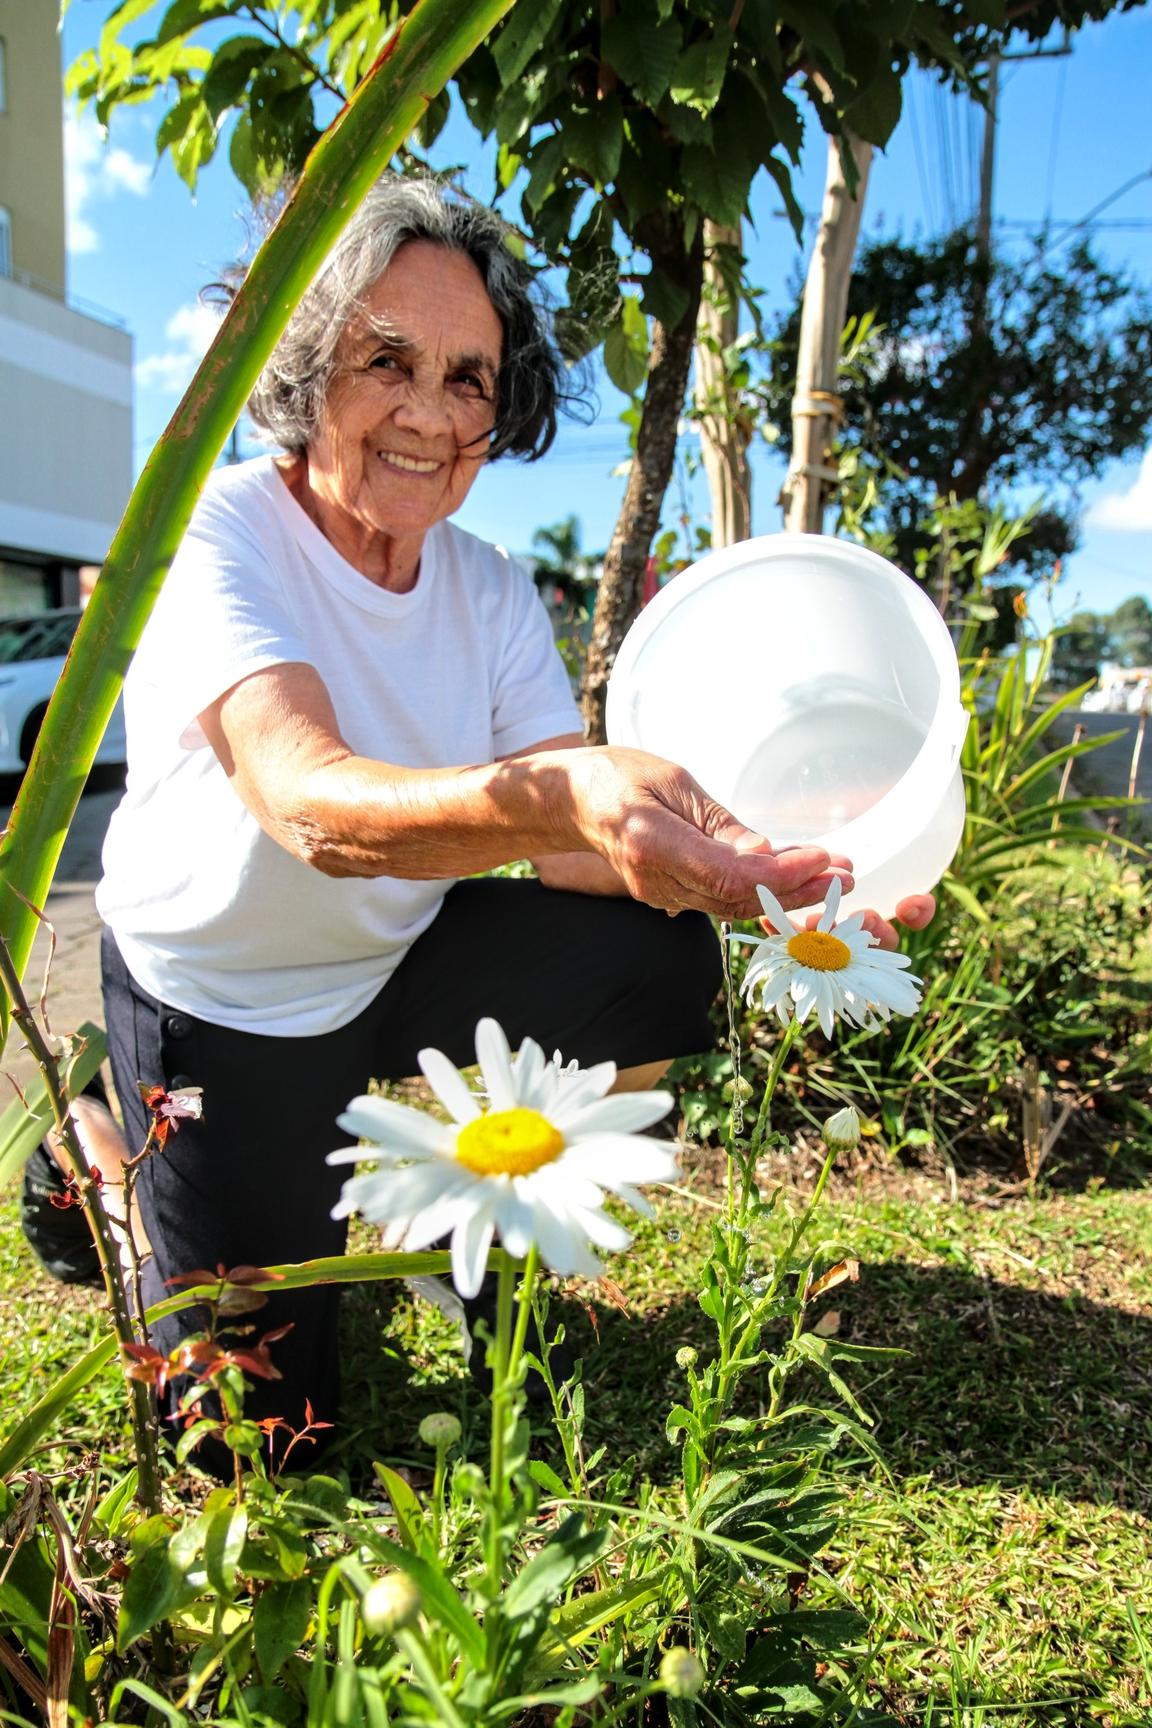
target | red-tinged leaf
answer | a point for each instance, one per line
(252, 1275)
(843, 1270)
(252, 1362)
(277, 1333)
(241, 1301)
(199, 1275)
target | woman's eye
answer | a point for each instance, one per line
(384, 363)
(472, 384)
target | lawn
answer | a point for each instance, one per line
(1000, 1551)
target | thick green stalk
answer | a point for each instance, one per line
(428, 47)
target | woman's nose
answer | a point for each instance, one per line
(423, 409)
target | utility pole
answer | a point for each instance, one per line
(988, 159)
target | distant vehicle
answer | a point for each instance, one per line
(32, 654)
(1121, 690)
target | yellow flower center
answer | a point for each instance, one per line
(508, 1143)
(819, 950)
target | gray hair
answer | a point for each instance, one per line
(288, 401)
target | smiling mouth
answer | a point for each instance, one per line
(407, 464)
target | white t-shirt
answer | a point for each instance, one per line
(210, 914)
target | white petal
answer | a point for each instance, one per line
(614, 1158)
(448, 1084)
(587, 1084)
(623, 1112)
(470, 1244)
(530, 1072)
(563, 1246)
(495, 1059)
(831, 904)
(394, 1125)
(775, 913)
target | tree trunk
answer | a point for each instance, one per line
(817, 406)
(622, 583)
(724, 429)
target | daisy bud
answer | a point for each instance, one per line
(685, 1356)
(842, 1131)
(681, 1674)
(440, 1430)
(391, 1603)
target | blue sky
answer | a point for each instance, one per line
(1073, 131)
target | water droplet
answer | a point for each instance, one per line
(672, 1235)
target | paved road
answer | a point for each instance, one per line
(74, 984)
(1108, 770)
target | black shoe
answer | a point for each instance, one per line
(59, 1235)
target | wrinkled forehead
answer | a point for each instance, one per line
(430, 297)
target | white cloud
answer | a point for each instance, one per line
(190, 331)
(1127, 512)
(95, 170)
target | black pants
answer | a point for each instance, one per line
(597, 978)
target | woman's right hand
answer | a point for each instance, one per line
(673, 846)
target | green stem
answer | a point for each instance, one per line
(413, 1648)
(499, 1353)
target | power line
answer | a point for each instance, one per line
(1085, 221)
(1057, 118)
(921, 172)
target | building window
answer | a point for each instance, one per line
(5, 242)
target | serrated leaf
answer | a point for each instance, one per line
(544, 161)
(699, 76)
(232, 66)
(594, 138)
(643, 51)
(280, 1623)
(522, 36)
(717, 186)
(785, 118)
(187, 15)
(812, 23)
(874, 113)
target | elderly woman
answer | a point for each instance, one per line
(344, 708)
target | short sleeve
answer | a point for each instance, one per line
(532, 694)
(220, 617)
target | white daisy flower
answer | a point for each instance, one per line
(533, 1166)
(836, 970)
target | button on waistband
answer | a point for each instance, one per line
(177, 1025)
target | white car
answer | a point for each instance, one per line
(32, 654)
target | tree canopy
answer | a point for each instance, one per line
(985, 377)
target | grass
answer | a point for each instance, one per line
(1002, 1552)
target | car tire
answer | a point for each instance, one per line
(31, 731)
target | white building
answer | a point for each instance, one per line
(65, 376)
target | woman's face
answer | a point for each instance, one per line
(407, 421)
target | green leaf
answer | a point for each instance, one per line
(522, 36)
(664, 299)
(810, 19)
(280, 1623)
(223, 1547)
(153, 1591)
(643, 51)
(569, 1551)
(545, 1477)
(717, 186)
(874, 113)
(544, 162)
(624, 361)
(232, 66)
(699, 76)
(185, 15)
(406, 1508)
(25, 1122)
(784, 118)
(594, 138)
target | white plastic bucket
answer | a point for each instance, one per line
(813, 690)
